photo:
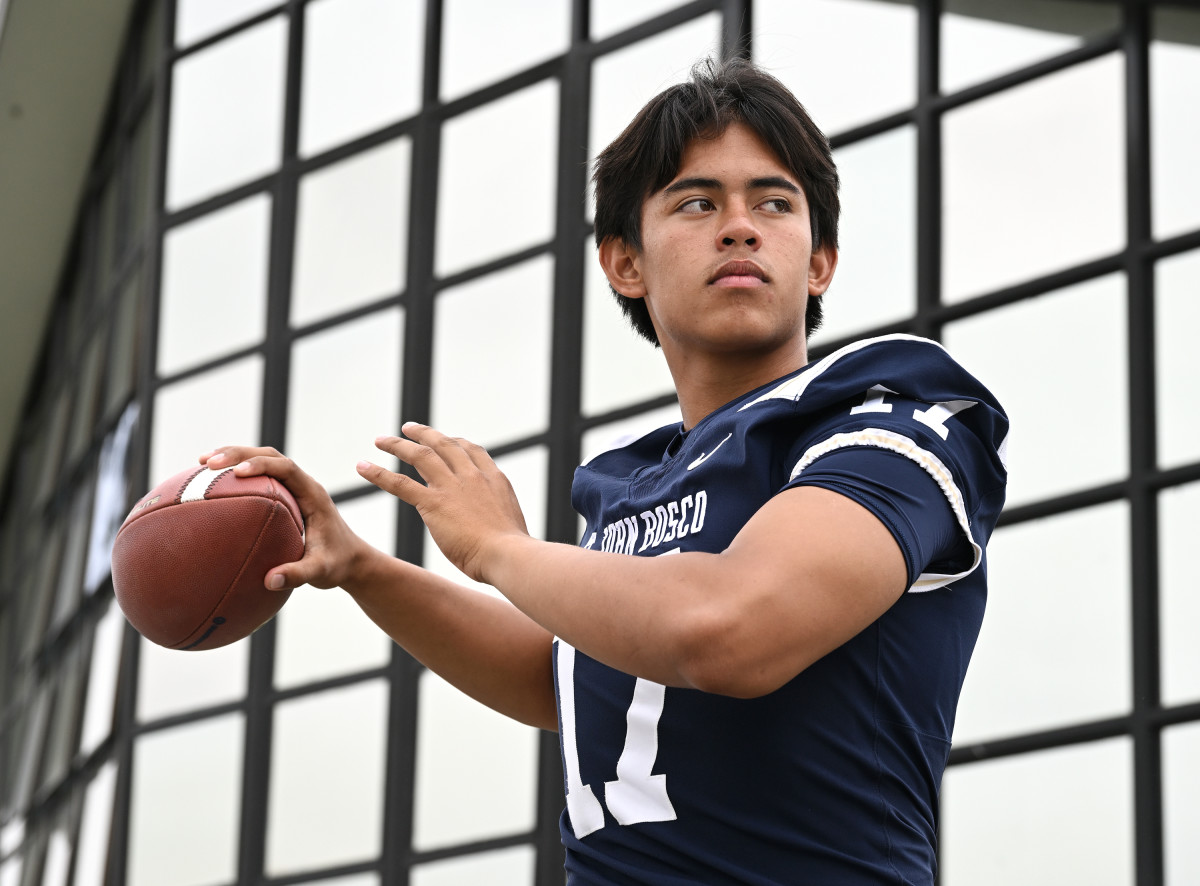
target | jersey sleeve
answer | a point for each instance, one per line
(902, 495)
(914, 464)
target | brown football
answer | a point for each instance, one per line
(189, 562)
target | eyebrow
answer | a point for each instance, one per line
(712, 184)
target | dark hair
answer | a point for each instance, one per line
(646, 156)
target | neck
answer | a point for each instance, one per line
(707, 382)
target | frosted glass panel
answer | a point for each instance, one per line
(183, 826)
(321, 815)
(351, 232)
(618, 433)
(1058, 365)
(876, 276)
(95, 825)
(625, 80)
(491, 355)
(1179, 604)
(526, 471)
(503, 867)
(362, 68)
(322, 633)
(610, 16)
(345, 392)
(497, 180)
(619, 366)
(1054, 648)
(1017, 208)
(1174, 123)
(981, 40)
(485, 41)
(1061, 816)
(102, 680)
(197, 19)
(187, 423)
(226, 114)
(174, 682)
(476, 770)
(1181, 790)
(848, 61)
(1176, 360)
(214, 270)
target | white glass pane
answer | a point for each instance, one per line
(619, 366)
(214, 286)
(351, 232)
(197, 19)
(876, 278)
(623, 81)
(476, 770)
(491, 355)
(95, 826)
(1017, 207)
(102, 680)
(1044, 819)
(610, 16)
(526, 471)
(226, 114)
(1054, 648)
(57, 866)
(1181, 802)
(618, 433)
(193, 416)
(1176, 359)
(345, 392)
(1179, 611)
(320, 815)
(848, 61)
(352, 880)
(322, 633)
(497, 180)
(362, 68)
(174, 682)
(10, 871)
(183, 826)
(981, 40)
(501, 867)
(229, 407)
(1078, 335)
(1174, 123)
(484, 41)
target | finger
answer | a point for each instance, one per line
(404, 488)
(449, 449)
(225, 456)
(287, 577)
(431, 464)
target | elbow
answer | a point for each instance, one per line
(720, 656)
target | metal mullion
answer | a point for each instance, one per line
(652, 27)
(929, 170)
(258, 706)
(125, 718)
(566, 381)
(737, 29)
(404, 671)
(225, 33)
(1147, 750)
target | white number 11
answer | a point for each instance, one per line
(636, 796)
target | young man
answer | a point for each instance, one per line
(772, 703)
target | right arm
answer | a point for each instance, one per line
(481, 644)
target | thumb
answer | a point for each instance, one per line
(284, 578)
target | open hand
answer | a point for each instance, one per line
(466, 502)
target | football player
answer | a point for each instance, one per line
(754, 656)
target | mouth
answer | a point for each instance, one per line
(739, 273)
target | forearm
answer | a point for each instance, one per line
(478, 643)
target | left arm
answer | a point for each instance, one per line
(807, 573)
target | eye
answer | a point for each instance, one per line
(776, 205)
(697, 205)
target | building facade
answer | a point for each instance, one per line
(304, 221)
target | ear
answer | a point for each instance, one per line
(622, 267)
(820, 269)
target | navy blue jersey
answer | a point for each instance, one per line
(833, 778)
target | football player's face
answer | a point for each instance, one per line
(727, 262)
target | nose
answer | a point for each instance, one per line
(738, 227)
